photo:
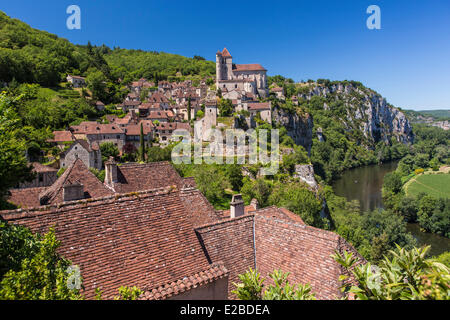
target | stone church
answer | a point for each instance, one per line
(250, 78)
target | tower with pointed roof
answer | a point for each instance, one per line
(224, 65)
(249, 78)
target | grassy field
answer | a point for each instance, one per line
(437, 185)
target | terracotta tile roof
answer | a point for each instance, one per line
(138, 240)
(157, 115)
(39, 167)
(158, 97)
(277, 89)
(131, 103)
(230, 241)
(135, 129)
(248, 67)
(62, 136)
(77, 172)
(92, 127)
(274, 238)
(26, 198)
(214, 272)
(224, 53)
(134, 177)
(259, 106)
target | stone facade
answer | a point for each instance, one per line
(243, 77)
(90, 155)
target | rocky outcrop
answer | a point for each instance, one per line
(378, 120)
(305, 172)
(299, 128)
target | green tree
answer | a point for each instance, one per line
(32, 269)
(109, 149)
(13, 163)
(408, 275)
(392, 182)
(252, 287)
(142, 145)
(234, 175)
(299, 200)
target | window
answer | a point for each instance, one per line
(41, 177)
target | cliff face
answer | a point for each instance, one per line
(299, 128)
(369, 111)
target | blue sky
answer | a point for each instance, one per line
(407, 61)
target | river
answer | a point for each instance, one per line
(364, 184)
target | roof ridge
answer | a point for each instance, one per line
(224, 221)
(46, 209)
(214, 271)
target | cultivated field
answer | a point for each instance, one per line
(437, 185)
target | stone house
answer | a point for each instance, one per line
(76, 81)
(100, 133)
(90, 154)
(45, 176)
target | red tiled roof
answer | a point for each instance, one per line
(273, 238)
(26, 198)
(39, 167)
(157, 115)
(77, 172)
(259, 106)
(212, 273)
(92, 127)
(134, 240)
(224, 53)
(248, 67)
(62, 136)
(134, 177)
(135, 129)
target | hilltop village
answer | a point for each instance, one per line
(144, 225)
(162, 108)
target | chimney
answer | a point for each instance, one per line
(236, 206)
(254, 203)
(73, 191)
(110, 172)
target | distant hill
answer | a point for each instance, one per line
(436, 118)
(437, 114)
(434, 114)
(34, 56)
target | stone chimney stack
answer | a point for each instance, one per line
(73, 191)
(254, 203)
(111, 172)
(236, 206)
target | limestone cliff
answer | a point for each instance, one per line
(299, 127)
(363, 107)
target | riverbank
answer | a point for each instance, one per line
(365, 183)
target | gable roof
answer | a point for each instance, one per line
(77, 172)
(62, 136)
(248, 67)
(273, 238)
(135, 177)
(259, 106)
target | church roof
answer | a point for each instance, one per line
(248, 67)
(224, 53)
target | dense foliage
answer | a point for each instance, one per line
(430, 151)
(31, 269)
(13, 164)
(408, 275)
(252, 287)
